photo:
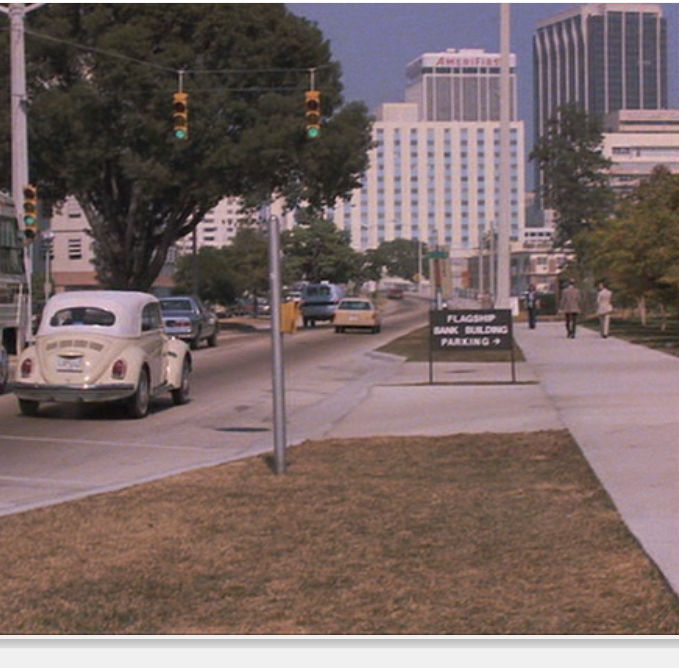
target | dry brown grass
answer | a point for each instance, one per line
(482, 534)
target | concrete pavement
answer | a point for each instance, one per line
(618, 400)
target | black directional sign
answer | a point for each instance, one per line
(480, 330)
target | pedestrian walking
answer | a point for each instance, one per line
(604, 308)
(570, 307)
(532, 306)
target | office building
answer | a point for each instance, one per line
(458, 85)
(603, 57)
(636, 141)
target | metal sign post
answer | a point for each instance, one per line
(277, 345)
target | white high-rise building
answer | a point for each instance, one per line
(459, 85)
(434, 171)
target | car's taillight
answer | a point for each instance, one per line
(26, 367)
(119, 369)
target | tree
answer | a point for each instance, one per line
(402, 257)
(575, 182)
(216, 277)
(638, 248)
(316, 250)
(248, 257)
(101, 79)
(226, 273)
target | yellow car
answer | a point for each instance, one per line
(357, 313)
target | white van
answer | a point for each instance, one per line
(319, 302)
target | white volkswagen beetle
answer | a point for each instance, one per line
(102, 345)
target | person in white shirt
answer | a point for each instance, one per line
(604, 308)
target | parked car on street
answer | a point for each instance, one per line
(102, 346)
(189, 319)
(356, 312)
(4, 368)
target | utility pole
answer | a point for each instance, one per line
(503, 261)
(18, 109)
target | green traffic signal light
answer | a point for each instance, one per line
(180, 115)
(312, 99)
(30, 194)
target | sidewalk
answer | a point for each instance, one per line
(618, 400)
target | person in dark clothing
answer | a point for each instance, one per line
(532, 306)
(570, 307)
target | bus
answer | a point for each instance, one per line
(13, 288)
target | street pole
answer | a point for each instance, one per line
(194, 263)
(493, 279)
(20, 147)
(48, 240)
(482, 241)
(277, 345)
(503, 260)
(19, 129)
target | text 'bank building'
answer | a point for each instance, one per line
(434, 171)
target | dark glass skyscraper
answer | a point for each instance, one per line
(603, 57)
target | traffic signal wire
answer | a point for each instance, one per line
(146, 63)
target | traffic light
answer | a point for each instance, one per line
(180, 115)
(30, 212)
(313, 113)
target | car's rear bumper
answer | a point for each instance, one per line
(73, 393)
(181, 332)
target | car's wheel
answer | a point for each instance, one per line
(181, 394)
(212, 340)
(28, 407)
(138, 403)
(194, 343)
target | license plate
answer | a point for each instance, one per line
(69, 364)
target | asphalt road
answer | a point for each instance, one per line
(72, 451)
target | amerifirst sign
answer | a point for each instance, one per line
(485, 329)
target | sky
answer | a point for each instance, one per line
(375, 41)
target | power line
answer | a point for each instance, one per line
(120, 56)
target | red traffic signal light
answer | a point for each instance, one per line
(313, 113)
(180, 115)
(30, 193)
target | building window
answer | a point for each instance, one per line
(75, 250)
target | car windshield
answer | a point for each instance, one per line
(175, 305)
(354, 306)
(82, 315)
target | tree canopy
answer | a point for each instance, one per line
(403, 257)
(101, 79)
(224, 274)
(316, 250)
(573, 168)
(637, 249)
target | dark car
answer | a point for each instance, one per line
(189, 319)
